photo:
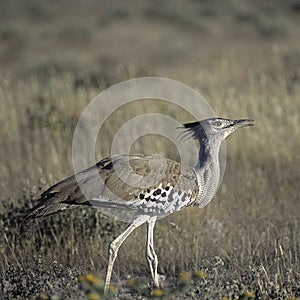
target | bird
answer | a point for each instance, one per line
(147, 187)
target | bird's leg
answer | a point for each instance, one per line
(115, 245)
(150, 253)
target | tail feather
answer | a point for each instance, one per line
(42, 210)
(59, 197)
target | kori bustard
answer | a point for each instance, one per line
(168, 190)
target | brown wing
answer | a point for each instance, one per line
(115, 181)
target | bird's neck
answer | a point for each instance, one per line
(207, 171)
(208, 153)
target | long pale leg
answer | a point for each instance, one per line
(115, 245)
(150, 253)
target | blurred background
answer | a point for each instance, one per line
(172, 38)
(242, 56)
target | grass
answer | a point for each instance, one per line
(246, 241)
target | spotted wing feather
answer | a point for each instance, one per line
(120, 181)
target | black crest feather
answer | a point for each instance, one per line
(192, 130)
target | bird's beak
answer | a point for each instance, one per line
(242, 123)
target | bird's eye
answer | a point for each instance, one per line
(218, 124)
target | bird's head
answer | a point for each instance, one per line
(215, 128)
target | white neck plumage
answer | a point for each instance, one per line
(207, 170)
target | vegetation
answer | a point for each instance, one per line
(243, 57)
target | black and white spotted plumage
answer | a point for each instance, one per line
(163, 201)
